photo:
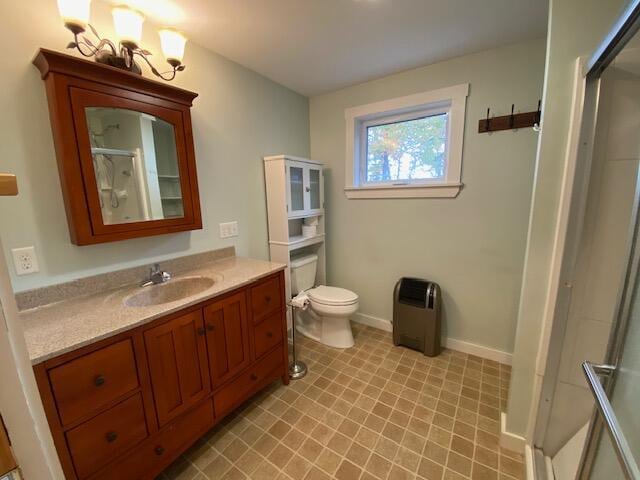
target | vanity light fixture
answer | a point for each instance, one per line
(128, 25)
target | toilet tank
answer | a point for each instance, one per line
(303, 273)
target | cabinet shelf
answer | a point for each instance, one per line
(299, 241)
(303, 214)
(174, 199)
(169, 177)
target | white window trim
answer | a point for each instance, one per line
(451, 99)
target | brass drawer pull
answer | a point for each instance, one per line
(99, 381)
(111, 437)
(159, 450)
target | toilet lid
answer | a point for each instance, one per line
(332, 295)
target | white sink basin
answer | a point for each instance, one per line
(170, 291)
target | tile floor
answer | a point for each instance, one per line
(374, 411)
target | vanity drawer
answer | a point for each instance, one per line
(247, 383)
(96, 442)
(88, 383)
(267, 334)
(147, 460)
(265, 298)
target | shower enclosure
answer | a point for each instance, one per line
(587, 425)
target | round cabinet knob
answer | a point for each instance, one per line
(210, 328)
(267, 299)
(159, 450)
(254, 376)
(111, 437)
(270, 334)
(201, 331)
(99, 380)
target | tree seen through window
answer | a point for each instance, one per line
(407, 150)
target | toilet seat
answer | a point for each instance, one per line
(332, 296)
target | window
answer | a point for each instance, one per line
(406, 147)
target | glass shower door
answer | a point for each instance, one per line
(615, 448)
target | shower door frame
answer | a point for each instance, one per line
(587, 86)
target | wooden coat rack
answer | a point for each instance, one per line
(8, 184)
(509, 122)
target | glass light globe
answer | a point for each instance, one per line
(172, 43)
(75, 13)
(128, 25)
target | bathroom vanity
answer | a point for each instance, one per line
(127, 393)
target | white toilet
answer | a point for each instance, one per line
(327, 319)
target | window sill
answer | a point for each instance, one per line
(440, 190)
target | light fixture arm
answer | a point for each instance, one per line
(93, 49)
(121, 56)
(168, 76)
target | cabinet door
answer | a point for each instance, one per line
(313, 189)
(150, 158)
(295, 189)
(7, 462)
(227, 337)
(178, 365)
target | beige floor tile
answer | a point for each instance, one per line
(372, 412)
(264, 471)
(430, 470)
(297, 467)
(217, 468)
(348, 471)
(407, 459)
(378, 466)
(317, 474)
(328, 461)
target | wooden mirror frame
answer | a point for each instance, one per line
(72, 83)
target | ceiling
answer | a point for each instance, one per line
(315, 46)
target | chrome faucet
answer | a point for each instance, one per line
(156, 276)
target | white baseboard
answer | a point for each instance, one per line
(529, 463)
(452, 343)
(477, 350)
(509, 440)
(371, 321)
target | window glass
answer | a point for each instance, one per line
(407, 150)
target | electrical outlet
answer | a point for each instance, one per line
(25, 260)
(229, 229)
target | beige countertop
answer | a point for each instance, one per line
(54, 329)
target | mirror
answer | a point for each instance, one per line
(135, 162)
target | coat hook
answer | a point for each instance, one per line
(488, 120)
(511, 117)
(537, 118)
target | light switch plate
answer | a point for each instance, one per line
(228, 229)
(25, 260)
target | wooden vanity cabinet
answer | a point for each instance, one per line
(227, 330)
(177, 356)
(127, 407)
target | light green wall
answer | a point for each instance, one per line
(238, 117)
(575, 29)
(472, 245)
